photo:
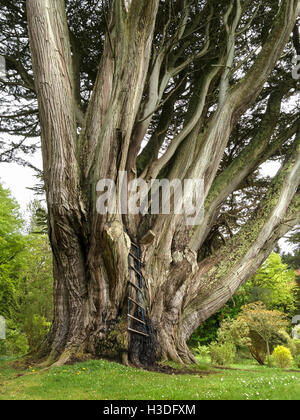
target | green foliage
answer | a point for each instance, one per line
(11, 245)
(257, 328)
(270, 361)
(297, 360)
(296, 344)
(265, 329)
(234, 331)
(34, 294)
(16, 343)
(286, 340)
(39, 218)
(35, 279)
(208, 331)
(10, 227)
(292, 259)
(35, 328)
(32, 290)
(203, 352)
(26, 283)
(274, 284)
(222, 354)
(7, 294)
(283, 357)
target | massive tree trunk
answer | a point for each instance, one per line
(91, 271)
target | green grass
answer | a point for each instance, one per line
(103, 380)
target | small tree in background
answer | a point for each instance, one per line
(292, 259)
(274, 284)
(11, 245)
(26, 280)
(264, 328)
(35, 290)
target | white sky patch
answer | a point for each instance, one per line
(18, 178)
(127, 4)
(285, 246)
(2, 68)
(270, 169)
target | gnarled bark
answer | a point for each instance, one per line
(91, 250)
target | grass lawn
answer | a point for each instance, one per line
(103, 380)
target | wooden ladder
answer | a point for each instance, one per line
(136, 309)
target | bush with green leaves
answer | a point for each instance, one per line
(203, 352)
(270, 361)
(265, 329)
(26, 280)
(274, 285)
(36, 329)
(11, 246)
(297, 361)
(234, 331)
(16, 343)
(222, 354)
(283, 357)
(284, 339)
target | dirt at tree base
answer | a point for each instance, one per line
(168, 370)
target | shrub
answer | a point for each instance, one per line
(36, 329)
(285, 340)
(203, 352)
(297, 361)
(264, 327)
(234, 331)
(222, 354)
(16, 342)
(270, 361)
(283, 357)
(296, 344)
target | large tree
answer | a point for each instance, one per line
(171, 89)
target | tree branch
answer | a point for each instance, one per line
(253, 155)
(245, 92)
(233, 264)
(175, 143)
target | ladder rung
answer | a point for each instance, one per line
(135, 257)
(136, 319)
(137, 271)
(138, 332)
(134, 285)
(137, 303)
(135, 245)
